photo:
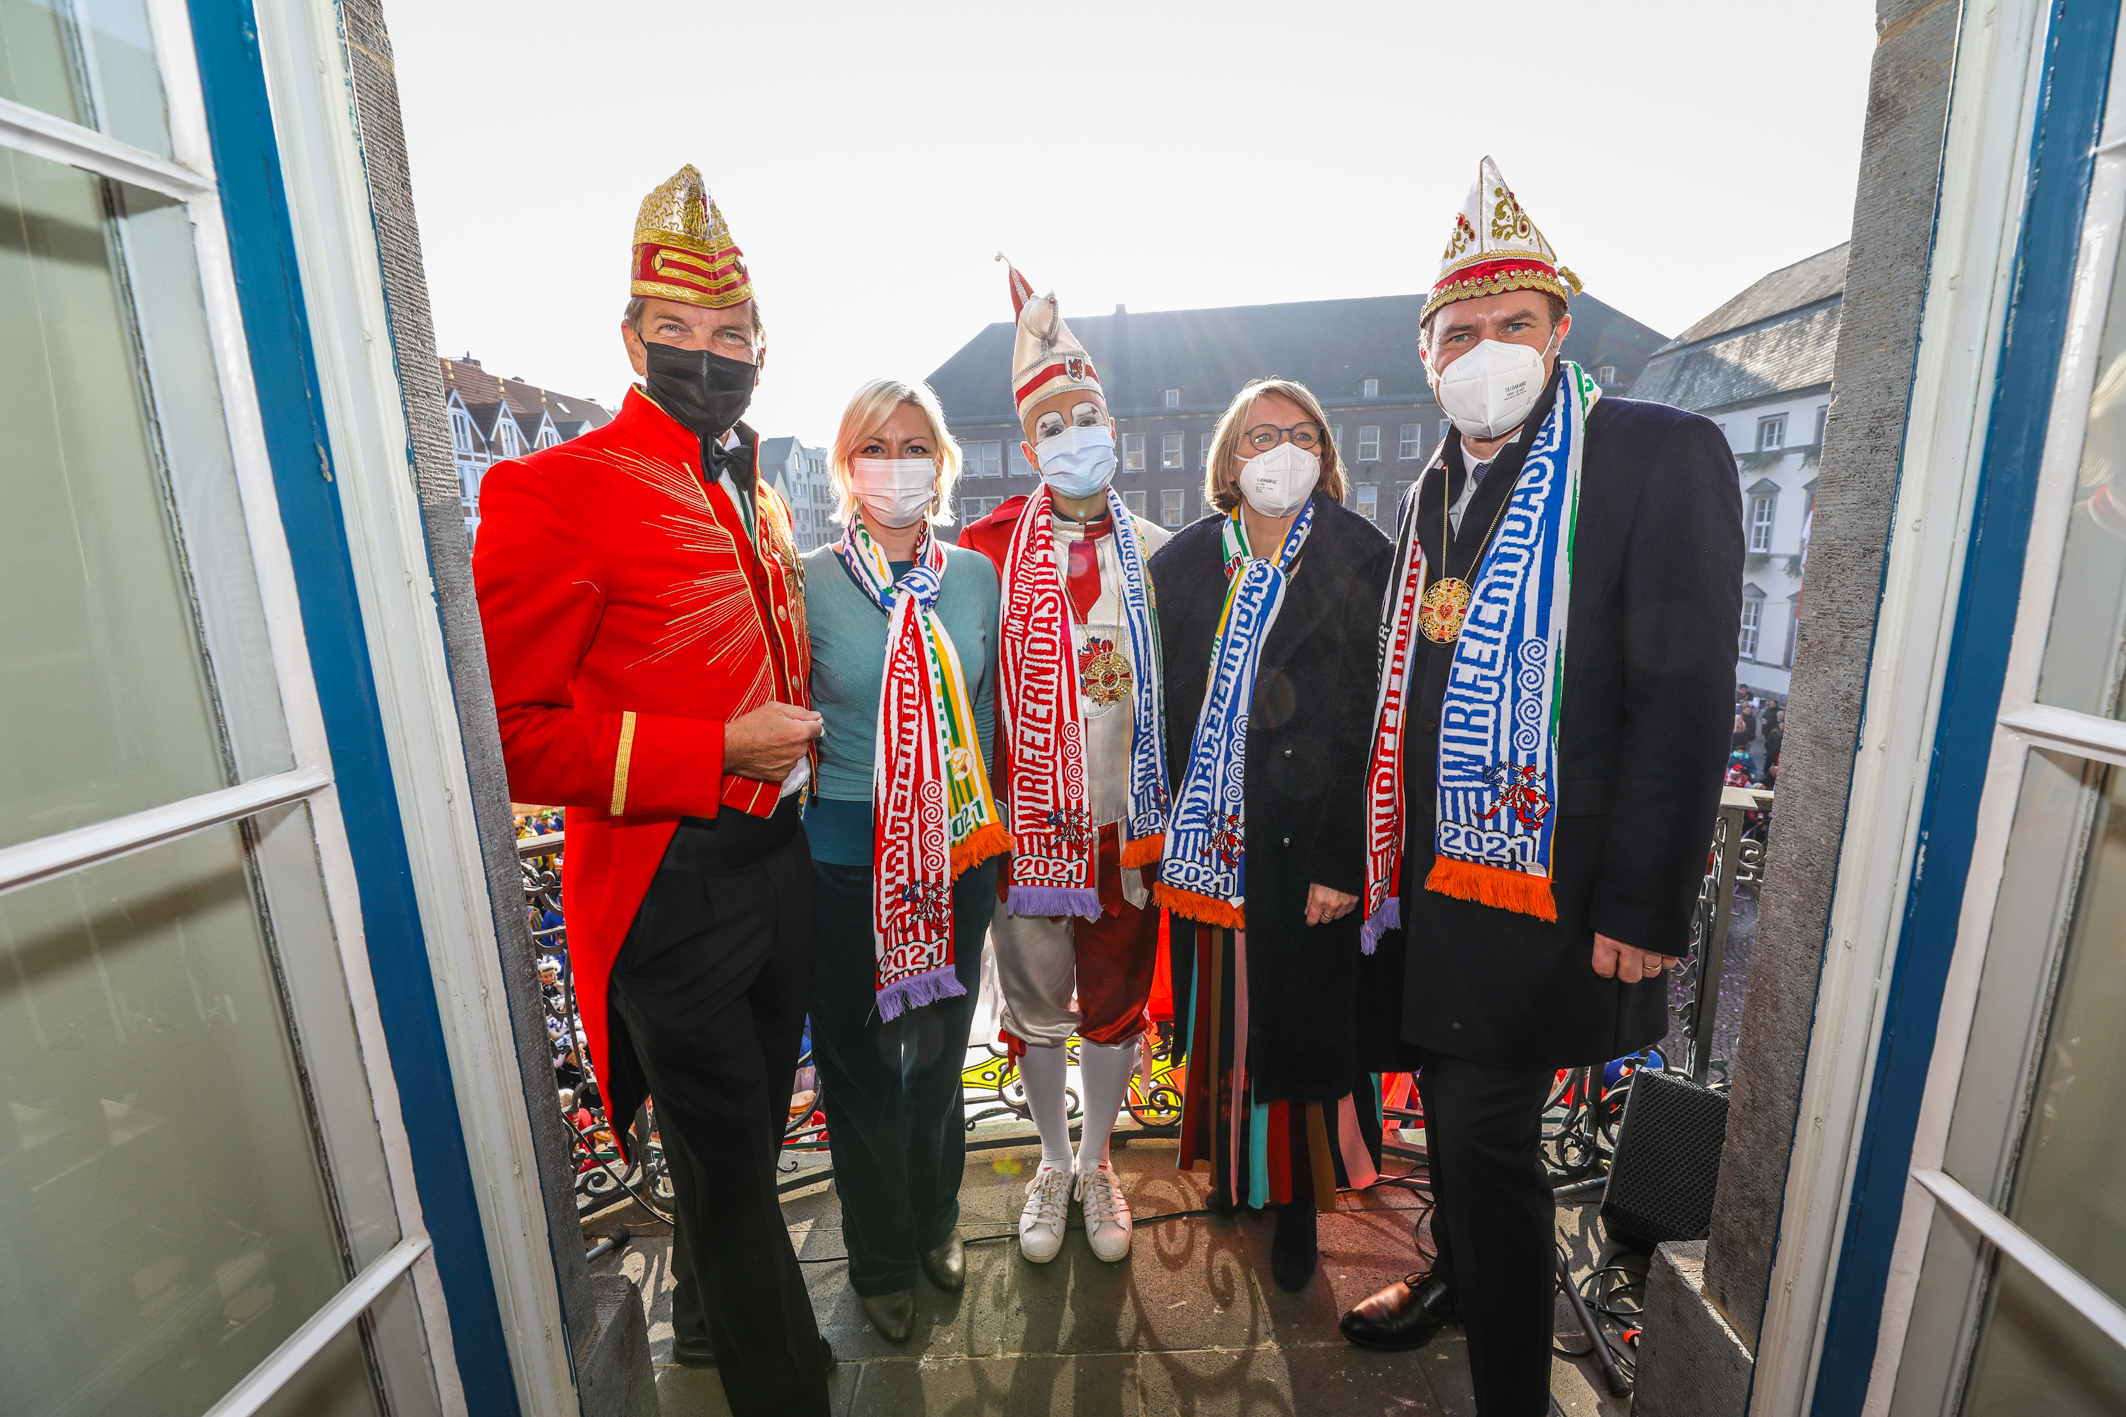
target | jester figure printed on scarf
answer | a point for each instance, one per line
(933, 815)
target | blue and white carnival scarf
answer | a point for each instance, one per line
(1053, 866)
(1203, 874)
(1497, 794)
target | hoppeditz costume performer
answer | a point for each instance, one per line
(1551, 721)
(1081, 769)
(639, 589)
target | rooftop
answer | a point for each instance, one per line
(1331, 346)
(527, 401)
(1779, 336)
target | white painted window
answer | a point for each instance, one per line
(1446, 426)
(1762, 509)
(1606, 374)
(1369, 443)
(1371, 389)
(1771, 433)
(1368, 505)
(461, 433)
(1021, 465)
(1133, 452)
(983, 459)
(166, 849)
(1135, 502)
(1823, 414)
(1169, 450)
(1407, 443)
(973, 509)
(1170, 504)
(1173, 398)
(1752, 621)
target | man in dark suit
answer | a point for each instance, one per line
(1497, 997)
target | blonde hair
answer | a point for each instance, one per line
(1225, 443)
(869, 408)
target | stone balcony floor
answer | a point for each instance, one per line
(1190, 1323)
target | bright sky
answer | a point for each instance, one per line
(871, 159)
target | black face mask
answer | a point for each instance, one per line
(706, 392)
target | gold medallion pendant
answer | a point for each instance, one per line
(1440, 613)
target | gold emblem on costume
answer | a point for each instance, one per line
(1441, 612)
(1103, 672)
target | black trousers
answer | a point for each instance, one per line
(896, 1114)
(1495, 1223)
(710, 985)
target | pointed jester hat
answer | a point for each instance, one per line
(683, 249)
(1495, 248)
(1047, 359)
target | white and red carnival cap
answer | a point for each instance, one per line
(1047, 358)
(1495, 248)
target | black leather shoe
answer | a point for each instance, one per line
(893, 1315)
(947, 1264)
(1405, 1315)
(693, 1352)
(1220, 1202)
(1293, 1252)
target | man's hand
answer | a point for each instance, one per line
(766, 743)
(1324, 905)
(1613, 959)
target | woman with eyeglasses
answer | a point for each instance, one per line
(1269, 612)
(904, 831)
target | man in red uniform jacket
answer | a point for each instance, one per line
(645, 624)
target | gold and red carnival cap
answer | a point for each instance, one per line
(683, 249)
(1495, 248)
(1047, 358)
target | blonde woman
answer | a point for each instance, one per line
(904, 832)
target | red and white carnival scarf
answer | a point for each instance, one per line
(1037, 669)
(932, 815)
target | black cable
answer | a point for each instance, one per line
(1603, 1303)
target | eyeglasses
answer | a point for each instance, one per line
(1265, 436)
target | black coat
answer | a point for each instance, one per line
(1648, 707)
(1308, 725)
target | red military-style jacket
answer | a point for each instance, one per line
(629, 616)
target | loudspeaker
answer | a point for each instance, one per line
(1667, 1162)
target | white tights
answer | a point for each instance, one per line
(1107, 1069)
(1045, 1071)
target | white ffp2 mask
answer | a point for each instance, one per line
(1277, 483)
(896, 491)
(1489, 390)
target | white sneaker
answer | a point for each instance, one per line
(1045, 1214)
(1107, 1220)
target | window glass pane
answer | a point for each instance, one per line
(164, 1221)
(2084, 653)
(2034, 1354)
(103, 677)
(101, 76)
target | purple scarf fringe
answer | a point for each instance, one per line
(1388, 917)
(1053, 900)
(932, 987)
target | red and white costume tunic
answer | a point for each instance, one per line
(1064, 976)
